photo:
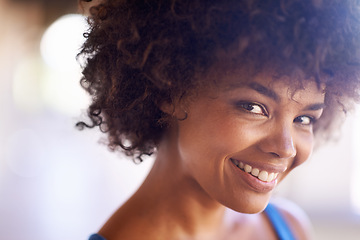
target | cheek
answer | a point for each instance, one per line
(218, 137)
(201, 141)
(205, 145)
(304, 149)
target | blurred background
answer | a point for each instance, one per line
(60, 183)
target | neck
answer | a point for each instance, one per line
(175, 202)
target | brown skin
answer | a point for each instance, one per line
(194, 184)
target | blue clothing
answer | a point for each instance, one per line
(278, 222)
(96, 237)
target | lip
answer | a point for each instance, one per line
(267, 167)
(254, 183)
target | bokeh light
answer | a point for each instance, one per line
(27, 80)
(355, 183)
(59, 46)
(62, 40)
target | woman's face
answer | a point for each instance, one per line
(238, 143)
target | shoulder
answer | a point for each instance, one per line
(297, 219)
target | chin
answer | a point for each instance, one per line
(250, 206)
(252, 209)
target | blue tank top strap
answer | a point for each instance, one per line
(96, 237)
(278, 222)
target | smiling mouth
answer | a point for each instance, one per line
(262, 175)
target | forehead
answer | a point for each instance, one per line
(270, 84)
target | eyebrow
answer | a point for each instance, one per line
(315, 107)
(264, 91)
(271, 94)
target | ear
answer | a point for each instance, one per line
(168, 108)
(174, 110)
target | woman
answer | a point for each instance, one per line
(228, 96)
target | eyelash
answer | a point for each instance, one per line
(312, 120)
(247, 105)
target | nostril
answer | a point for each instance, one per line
(279, 145)
(275, 154)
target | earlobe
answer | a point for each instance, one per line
(184, 117)
(167, 107)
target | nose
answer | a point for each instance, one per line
(279, 141)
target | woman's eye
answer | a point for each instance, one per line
(304, 120)
(253, 108)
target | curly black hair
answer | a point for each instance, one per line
(142, 53)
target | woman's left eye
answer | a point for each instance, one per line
(304, 120)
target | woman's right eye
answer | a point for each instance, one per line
(253, 108)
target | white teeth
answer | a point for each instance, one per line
(241, 165)
(255, 172)
(247, 168)
(270, 177)
(236, 162)
(263, 176)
